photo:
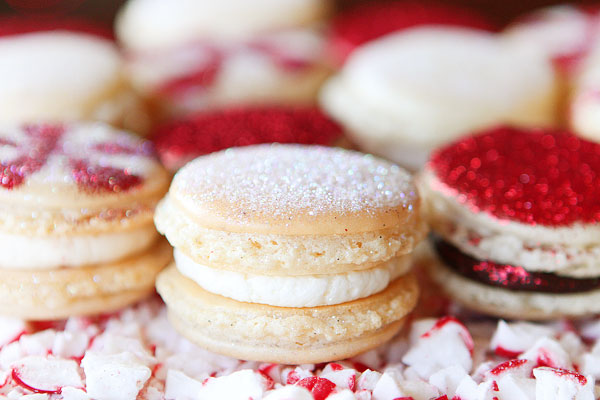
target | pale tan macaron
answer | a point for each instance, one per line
(76, 232)
(191, 55)
(410, 92)
(62, 75)
(290, 236)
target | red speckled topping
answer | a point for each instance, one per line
(529, 176)
(372, 20)
(181, 141)
(20, 25)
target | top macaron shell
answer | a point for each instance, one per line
(296, 190)
(180, 141)
(369, 21)
(56, 75)
(77, 171)
(145, 24)
(424, 87)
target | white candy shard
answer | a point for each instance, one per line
(241, 385)
(289, 393)
(447, 380)
(560, 384)
(114, 377)
(181, 387)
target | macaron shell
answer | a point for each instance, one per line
(287, 189)
(103, 288)
(503, 303)
(146, 24)
(284, 334)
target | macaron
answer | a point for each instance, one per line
(368, 21)
(290, 253)
(584, 99)
(410, 92)
(182, 140)
(516, 219)
(563, 33)
(58, 71)
(194, 55)
(76, 233)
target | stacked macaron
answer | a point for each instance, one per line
(63, 70)
(180, 141)
(76, 232)
(516, 214)
(410, 92)
(190, 55)
(289, 253)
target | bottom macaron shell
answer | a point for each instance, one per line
(511, 304)
(285, 335)
(65, 292)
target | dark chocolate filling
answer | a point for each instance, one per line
(509, 277)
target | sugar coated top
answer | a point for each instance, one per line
(529, 176)
(294, 187)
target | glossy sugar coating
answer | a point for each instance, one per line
(535, 177)
(290, 186)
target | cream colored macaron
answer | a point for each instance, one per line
(62, 75)
(410, 92)
(294, 231)
(77, 201)
(188, 55)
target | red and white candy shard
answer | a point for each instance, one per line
(46, 374)
(136, 354)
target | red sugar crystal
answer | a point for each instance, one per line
(532, 176)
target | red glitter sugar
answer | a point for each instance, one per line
(181, 141)
(19, 25)
(372, 20)
(532, 176)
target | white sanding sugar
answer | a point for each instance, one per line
(282, 180)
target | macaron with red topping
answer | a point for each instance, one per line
(180, 141)
(371, 20)
(64, 70)
(517, 220)
(76, 232)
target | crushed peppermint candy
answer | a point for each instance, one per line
(136, 354)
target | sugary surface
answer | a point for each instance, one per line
(135, 354)
(180, 141)
(535, 177)
(282, 181)
(93, 157)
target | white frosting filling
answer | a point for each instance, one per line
(48, 252)
(292, 291)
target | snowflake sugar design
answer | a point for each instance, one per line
(66, 154)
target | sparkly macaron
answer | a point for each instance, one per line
(76, 233)
(57, 70)
(517, 222)
(183, 140)
(369, 21)
(290, 253)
